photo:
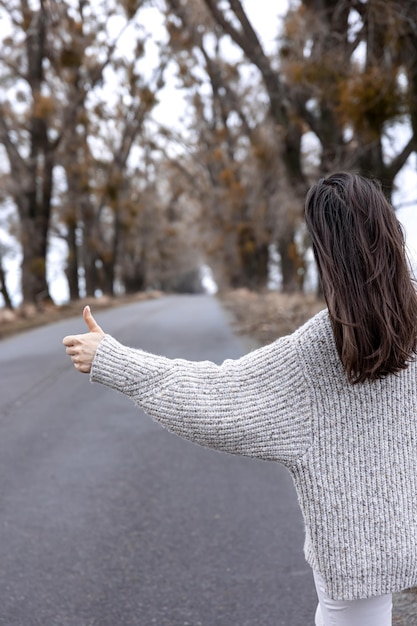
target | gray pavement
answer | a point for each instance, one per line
(107, 519)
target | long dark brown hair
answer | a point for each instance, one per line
(359, 248)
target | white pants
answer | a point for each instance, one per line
(375, 611)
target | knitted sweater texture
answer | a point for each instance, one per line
(351, 449)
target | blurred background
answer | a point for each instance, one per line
(168, 144)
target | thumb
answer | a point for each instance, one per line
(93, 327)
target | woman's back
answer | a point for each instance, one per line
(358, 481)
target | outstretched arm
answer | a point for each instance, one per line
(254, 406)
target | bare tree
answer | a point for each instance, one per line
(29, 146)
(285, 128)
(349, 96)
(238, 166)
(53, 60)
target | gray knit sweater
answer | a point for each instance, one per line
(351, 449)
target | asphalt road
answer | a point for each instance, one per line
(107, 519)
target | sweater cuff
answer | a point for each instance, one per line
(115, 365)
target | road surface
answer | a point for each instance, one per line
(106, 519)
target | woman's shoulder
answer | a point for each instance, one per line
(316, 346)
(317, 327)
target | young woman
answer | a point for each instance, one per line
(335, 402)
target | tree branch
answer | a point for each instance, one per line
(17, 164)
(249, 43)
(399, 161)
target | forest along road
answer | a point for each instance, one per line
(106, 519)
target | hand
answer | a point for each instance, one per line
(82, 348)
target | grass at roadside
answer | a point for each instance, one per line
(268, 315)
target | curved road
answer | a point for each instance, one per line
(106, 519)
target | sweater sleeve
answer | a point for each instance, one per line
(254, 406)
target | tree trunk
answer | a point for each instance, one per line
(135, 283)
(290, 263)
(71, 270)
(107, 274)
(253, 259)
(3, 287)
(89, 249)
(90, 273)
(34, 247)
(34, 197)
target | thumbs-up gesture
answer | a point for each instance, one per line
(82, 348)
